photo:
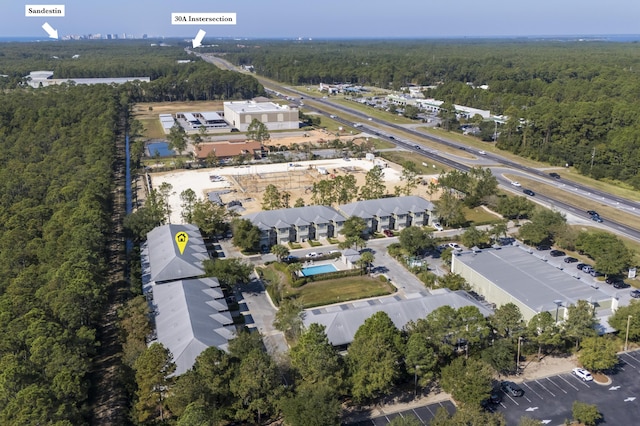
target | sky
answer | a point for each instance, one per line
(332, 18)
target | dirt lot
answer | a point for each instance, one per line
(246, 183)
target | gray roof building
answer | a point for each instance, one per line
(343, 320)
(296, 224)
(528, 279)
(391, 213)
(166, 263)
(190, 316)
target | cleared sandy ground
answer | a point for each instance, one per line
(247, 183)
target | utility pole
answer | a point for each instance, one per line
(626, 338)
(518, 356)
(593, 156)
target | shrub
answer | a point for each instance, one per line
(299, 282)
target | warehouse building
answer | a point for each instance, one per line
(239, 115)
(520, 275)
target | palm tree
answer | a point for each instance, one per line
(280, 251)
(367, 259)
(294, 268)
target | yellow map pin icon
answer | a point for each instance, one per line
(181, 239)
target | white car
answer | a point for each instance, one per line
(312, 254)
(515, 183)
(455, 246)
(582, 374)
(482, 153)
(437, 226)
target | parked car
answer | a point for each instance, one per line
(543, 247)
(582, 374)
(554, 175)
(529, 192)
(570, 259)
(312, 254)
(515, 183)
(388, 232)
(620, 284)
(557, 253)
(437, 226)
(512, 389)
(579, 266)
(635, 294)
(455, 246)
(587, 269)
(594, 273)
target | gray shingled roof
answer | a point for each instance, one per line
(386, 206)
(166, 262)
(529, 279)
(297, 215)
(343, 320)
(190, 317)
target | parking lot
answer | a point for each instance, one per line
(550, 399)
(424, 414)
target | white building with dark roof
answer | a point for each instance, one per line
(395, 213)
(296, 224)
(341, 321)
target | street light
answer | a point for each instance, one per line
(518, 356)
(626, 339)
(415, 381)
(558, 304)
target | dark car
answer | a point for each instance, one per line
(543, 247)
(620, 284)
(512, 389)
(557, 253)
(388, 232)
(581, 265)
(529, 192)
(592, 213)
(635, 294)
(554, 175)
(596, 218)
(570, 259)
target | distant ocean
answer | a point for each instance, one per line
(22, 39)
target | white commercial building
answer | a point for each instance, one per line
(239, 115)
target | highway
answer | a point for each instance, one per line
(590, 195)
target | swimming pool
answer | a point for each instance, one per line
(318, 269)
(160, 149)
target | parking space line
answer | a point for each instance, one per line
(509, 396)
(532, 390)
(568, 383)
(418, 416)
(557, 385)
(581, 381)
(545, 388)
(629, 364)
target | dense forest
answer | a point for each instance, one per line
(57, 156)
(55, 185)
(569, 102)
(170, 80)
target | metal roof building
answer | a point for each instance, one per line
(391, 213)
(190, 316)
(239, 114)
(343, 320)
(165, 261)
(526, 278)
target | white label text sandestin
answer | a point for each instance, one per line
(44, 10)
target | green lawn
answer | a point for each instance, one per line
(479, 216)
(321, 293)
(400, 157)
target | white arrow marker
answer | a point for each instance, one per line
(52, 33)
(197, 42)
(531, 409)
(631, 398)
(545, 422)
(614, 388)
